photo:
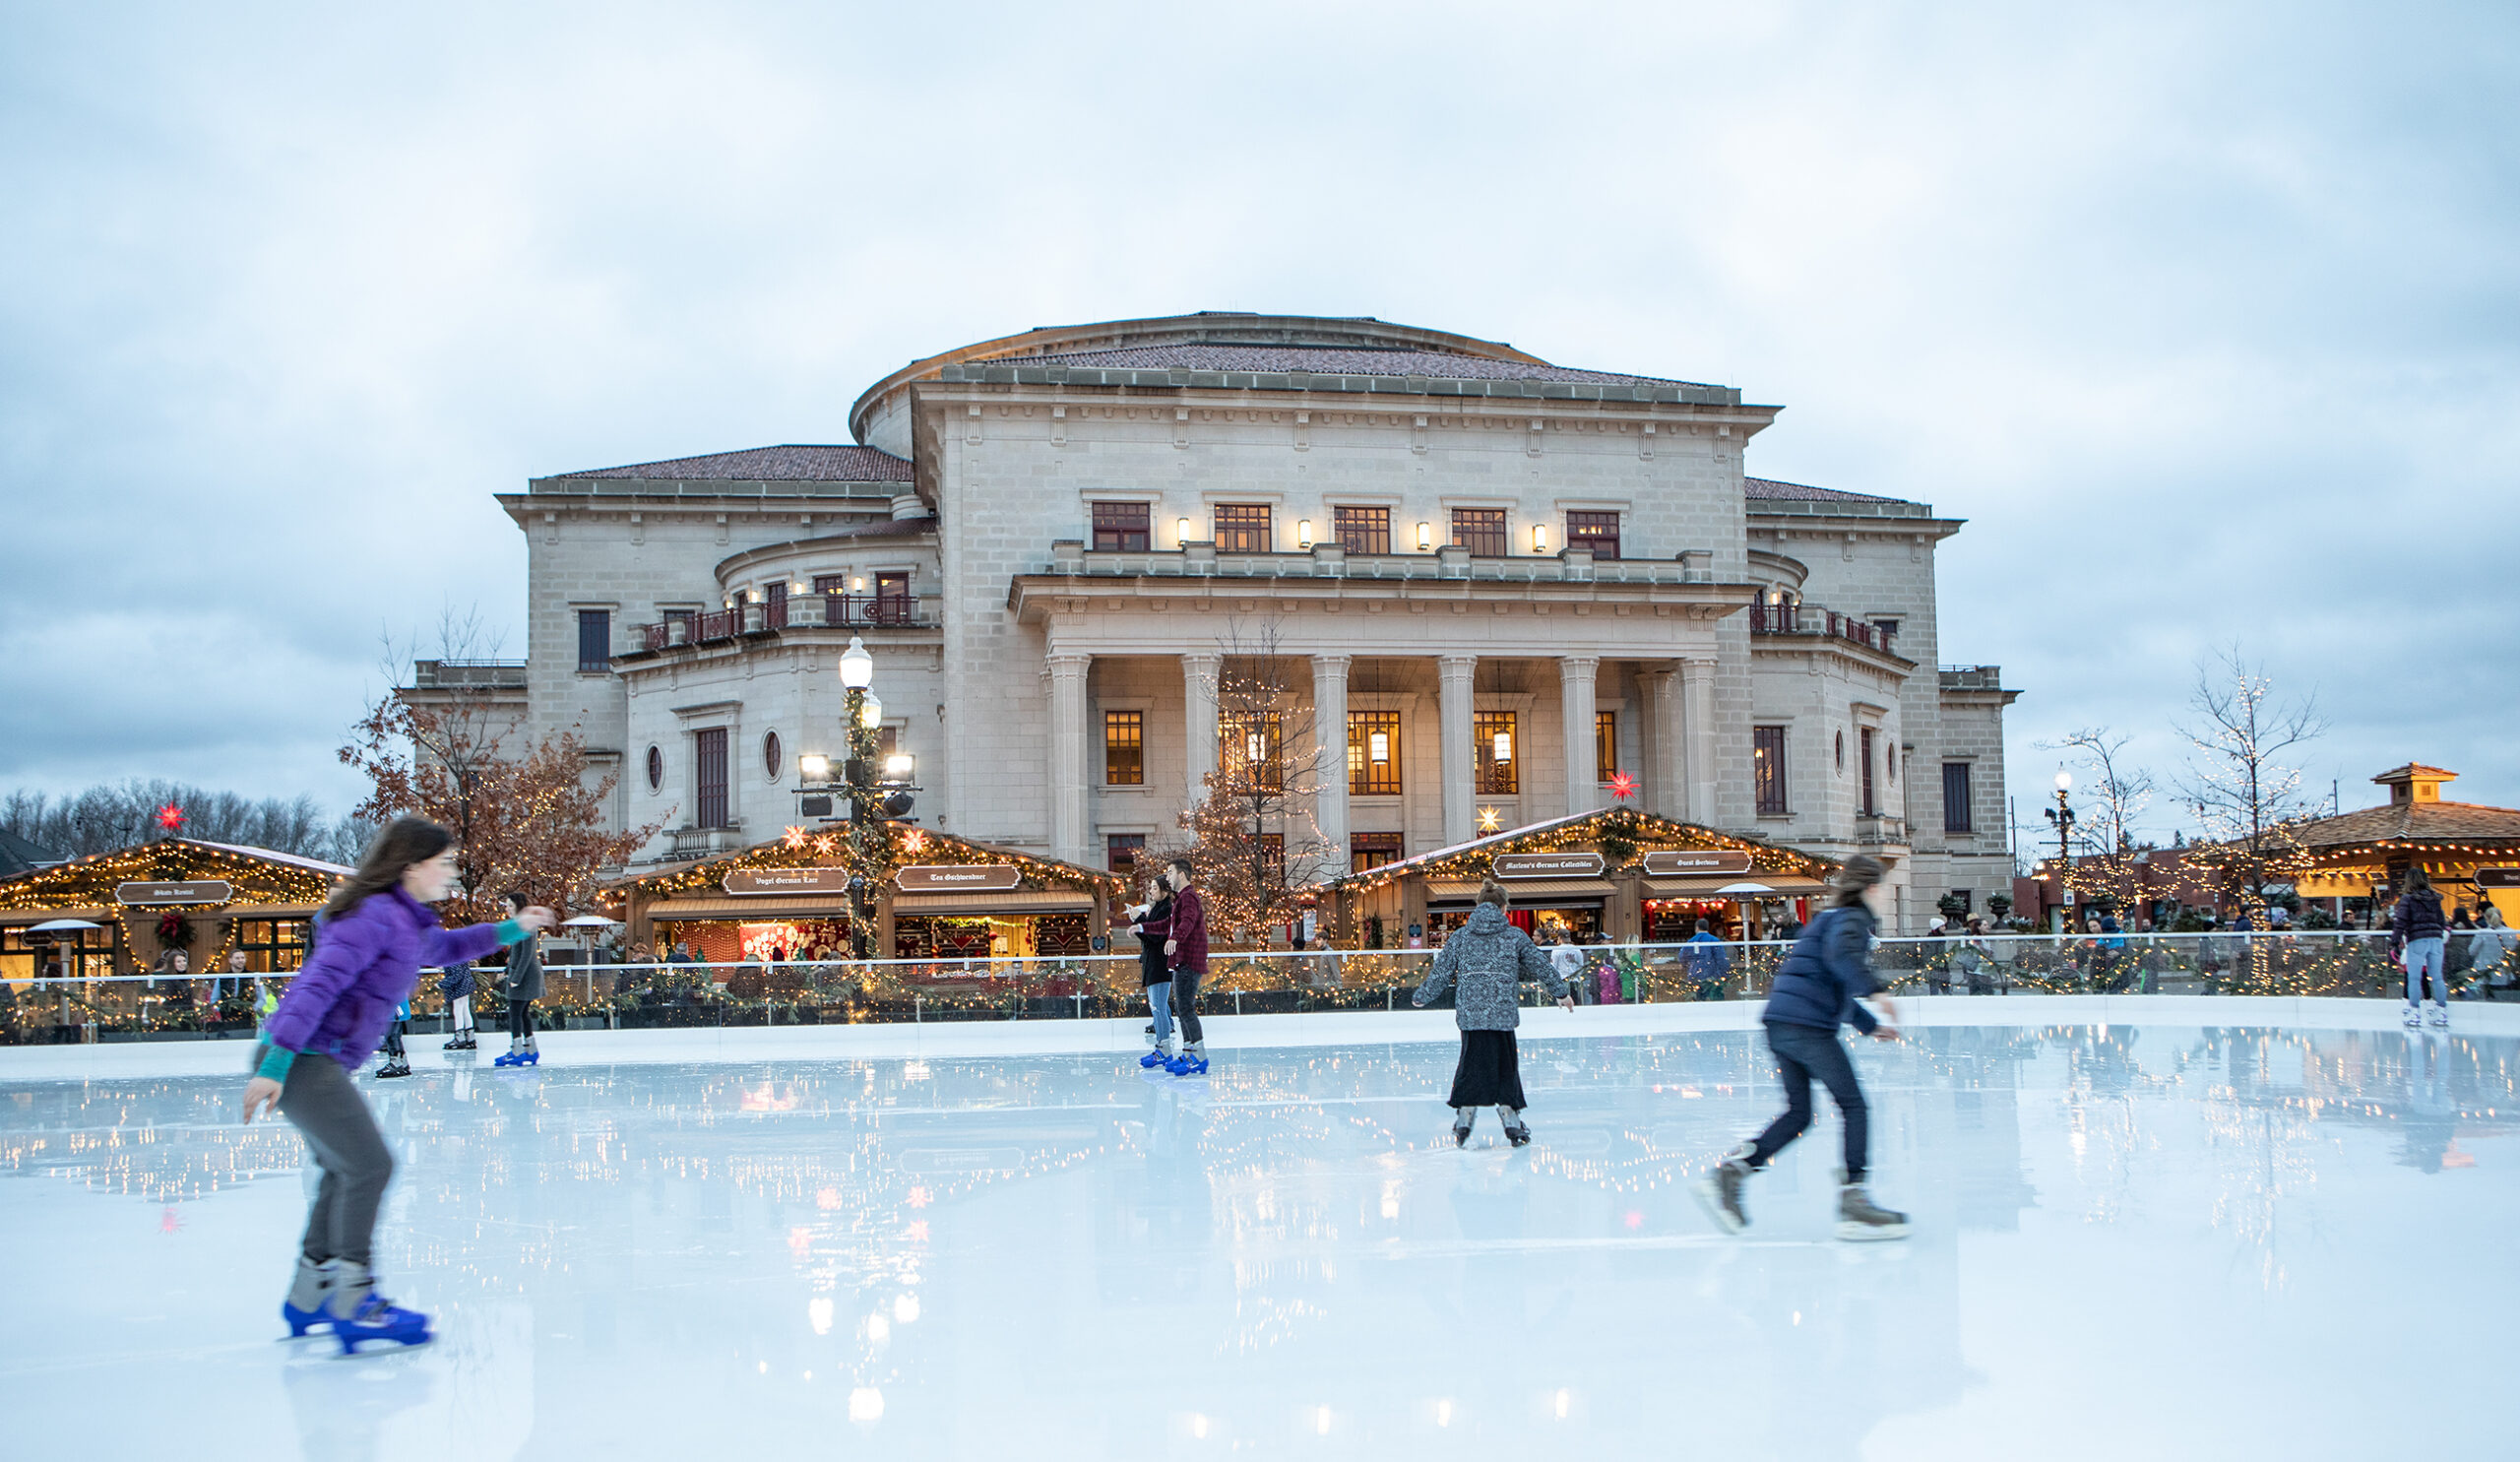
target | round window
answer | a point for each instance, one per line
(769, 755)
(655, 770)
(1842, 752)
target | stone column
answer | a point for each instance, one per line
(1698, 703)
(1068, 748)
(1330, 740)
(1454, 675)
(1199, 702)
(1666, 761)
(1575, 679)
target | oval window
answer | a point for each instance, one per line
(1890, 761)
(1842, 752)
(769, 755)
(655, 770)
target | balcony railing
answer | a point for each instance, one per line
(1802, 619)
(798, 612)
(1200, 561)
(881, 610)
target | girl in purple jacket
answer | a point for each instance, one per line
(376, 931)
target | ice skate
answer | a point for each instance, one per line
(303, 1308)
(532, 1055)
(1860, 1220)
(394, 1067)
(460, 1040)
(2413, 1018)
(2439, 1017)
(1153, 1058)
(1720, 1190)
(1462, 1121)
(514, 1057)
(1193, 1062)
(360, 1315)
(1515, 1131)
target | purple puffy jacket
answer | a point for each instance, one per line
(365, 963)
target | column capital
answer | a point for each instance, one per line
(1456, 666)
(1582, 662)
(1210, 658)
(1067, 663)
(1339, 663)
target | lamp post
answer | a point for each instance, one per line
(2061, 816)
(856, 674)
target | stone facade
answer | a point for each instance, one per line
(1011, 633)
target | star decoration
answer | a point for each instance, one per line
(796, 837)
(914, 840)
(170, 818)
(1489, 820)
(1622, 786)
(825, 844)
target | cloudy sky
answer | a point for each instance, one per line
(2208, 318)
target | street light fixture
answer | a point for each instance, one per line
(856, 667)
(2061, 817)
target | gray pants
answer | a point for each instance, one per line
(324, 1104)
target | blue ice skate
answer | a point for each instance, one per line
(528, 1057)
(1187, 1064)
(1153, 1058)
(304, 1307)
(360, 1316)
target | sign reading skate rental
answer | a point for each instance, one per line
(1690, 862)
(1508, 866)
(200, 891)
(746, 882)
(958, 877)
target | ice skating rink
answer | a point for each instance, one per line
(2174, 1228)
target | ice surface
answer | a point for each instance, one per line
(2131, 1240)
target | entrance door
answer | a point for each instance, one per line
(892, 598)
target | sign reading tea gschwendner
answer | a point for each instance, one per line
(200, 891)
(933, 878)
(1511, 866)
(1668, 862)
(747, 881)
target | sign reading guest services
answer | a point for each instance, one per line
(1696, 861)
(743, 882)
(957, 877)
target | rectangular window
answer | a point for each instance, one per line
(709, 755)
(1124, 748)
(1955, 797)
(1251, 751)
(1120, 851)
(1273, 858)
(1965, 898)
(594, 641)
(1767, 768)
(1373, 753)
(1598, 532)
(1481, 530)
(892, 598)
(830, 583)
(1243, 528)
(1872, 808)
(1498, 751)
(1362, 530)
(1372, 850)
(1121, 526)
(1605, 745)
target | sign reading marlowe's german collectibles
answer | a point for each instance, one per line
(744, 882)
(940, 877)
(1511, 866)
(1672, 862)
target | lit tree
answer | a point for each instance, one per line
(1252, 838)
(525, 812)
(2241, 782)
(2117, 797)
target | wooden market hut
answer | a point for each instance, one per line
(2470, 851)
(933, 896)
(205, 899)
(1618, 871)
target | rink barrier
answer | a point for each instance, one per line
(678, 995)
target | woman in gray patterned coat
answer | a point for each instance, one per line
(1488, 958)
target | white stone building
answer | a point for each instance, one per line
(1052, 543)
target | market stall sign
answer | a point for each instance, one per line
(744, 882)
(1512, 865)
(200, 891)
(2499, 877)
(1693, 862)
(958, 877)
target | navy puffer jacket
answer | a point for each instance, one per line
(2418, 917)
(1829, 967)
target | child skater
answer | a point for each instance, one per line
(1154, 972)
(1489, 958)
(524, 981)
(458, 986)
(1824, 981)
(377, 931)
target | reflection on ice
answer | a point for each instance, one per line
(966, 1256)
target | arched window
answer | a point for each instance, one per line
(770, 754)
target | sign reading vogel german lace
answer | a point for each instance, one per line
(1696, 861)
(200, 891)
(957, 877)
(744, 882)
(1508, 866)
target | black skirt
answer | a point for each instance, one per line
(1491, 1074)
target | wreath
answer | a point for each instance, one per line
(175, 932)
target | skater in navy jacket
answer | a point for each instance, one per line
(1824, 983)
(373, 936)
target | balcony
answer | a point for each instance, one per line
(706, 841)
(1203, 561)
(1880, 830)
(468, 674)
(801, 611)
(1973, 677)
(1803, 619)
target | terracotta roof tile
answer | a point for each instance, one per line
(2423, 822)
(793, 463)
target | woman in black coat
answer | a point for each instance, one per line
(1154, 971)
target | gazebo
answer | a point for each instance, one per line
(2470, 851)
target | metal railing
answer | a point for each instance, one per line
(1802, 619)
(1069, 988)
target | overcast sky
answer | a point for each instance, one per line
(2207, 318)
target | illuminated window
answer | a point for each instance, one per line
(1500, 752)
(1481, 530)
(1120, 851)
(1598, 532)
(1124, 748)
(1250, 750)
(1243, 528)
(1373, 753)
(1767, 767)
(1372, 850)
(1362, 530)
(1121, 526)
(1605, 745)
